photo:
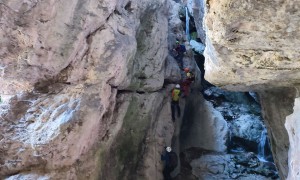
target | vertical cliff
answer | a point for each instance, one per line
(292, 126)
(277, 104)
(82, 82)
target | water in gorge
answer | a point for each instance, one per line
(247, 153)
(263, 144)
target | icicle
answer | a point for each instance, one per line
(187, 21)
(261, 145)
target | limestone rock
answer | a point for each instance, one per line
(172, 70)
(62, 66)
(204, 126)
(46, 41)
(292, 125)
(252, 43)
(158, 137)
(197, 9)
(277, 104)
(139, 136)
(51, 132)
(174, 20)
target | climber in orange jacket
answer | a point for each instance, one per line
(189, 75)
(175, 93)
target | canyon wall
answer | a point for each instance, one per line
(82, 88)
(85, 84)
(252, 46)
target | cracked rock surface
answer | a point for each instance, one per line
(72, 72)
(252, 43)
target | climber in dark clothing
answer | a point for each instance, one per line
(180, 48)
(175, 93)
(179, 53)
(171, 162)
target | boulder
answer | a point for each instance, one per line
(252, 43)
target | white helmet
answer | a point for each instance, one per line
(177, 86)
(168, 149)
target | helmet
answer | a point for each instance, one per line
(177, 86)
(168, 149)
(186, 69)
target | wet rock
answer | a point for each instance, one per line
(247, 159)
(203, 126)
(243, 117)
(226, 166)
(247, 127)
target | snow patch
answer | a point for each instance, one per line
(248, 127)
(50, 122)
(219, 125)
(196, 46)
(27, 177)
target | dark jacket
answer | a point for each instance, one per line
(180, 48)
(170, 159)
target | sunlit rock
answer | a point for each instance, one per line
(252, 43)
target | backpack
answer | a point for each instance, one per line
(182, 47)
(173, 160)
(190, 76)
(175, 94)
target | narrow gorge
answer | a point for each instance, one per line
(86, 89)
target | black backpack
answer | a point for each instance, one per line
(182, 47)
(173, 160)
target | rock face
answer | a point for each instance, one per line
(292, 127)
(85, 80)
(138, 127)
(250, 45)
(277, 105)
(247, 38)
(231, 167)
(203, 164)
(197, 7)
(203, 126)
(64, 43)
